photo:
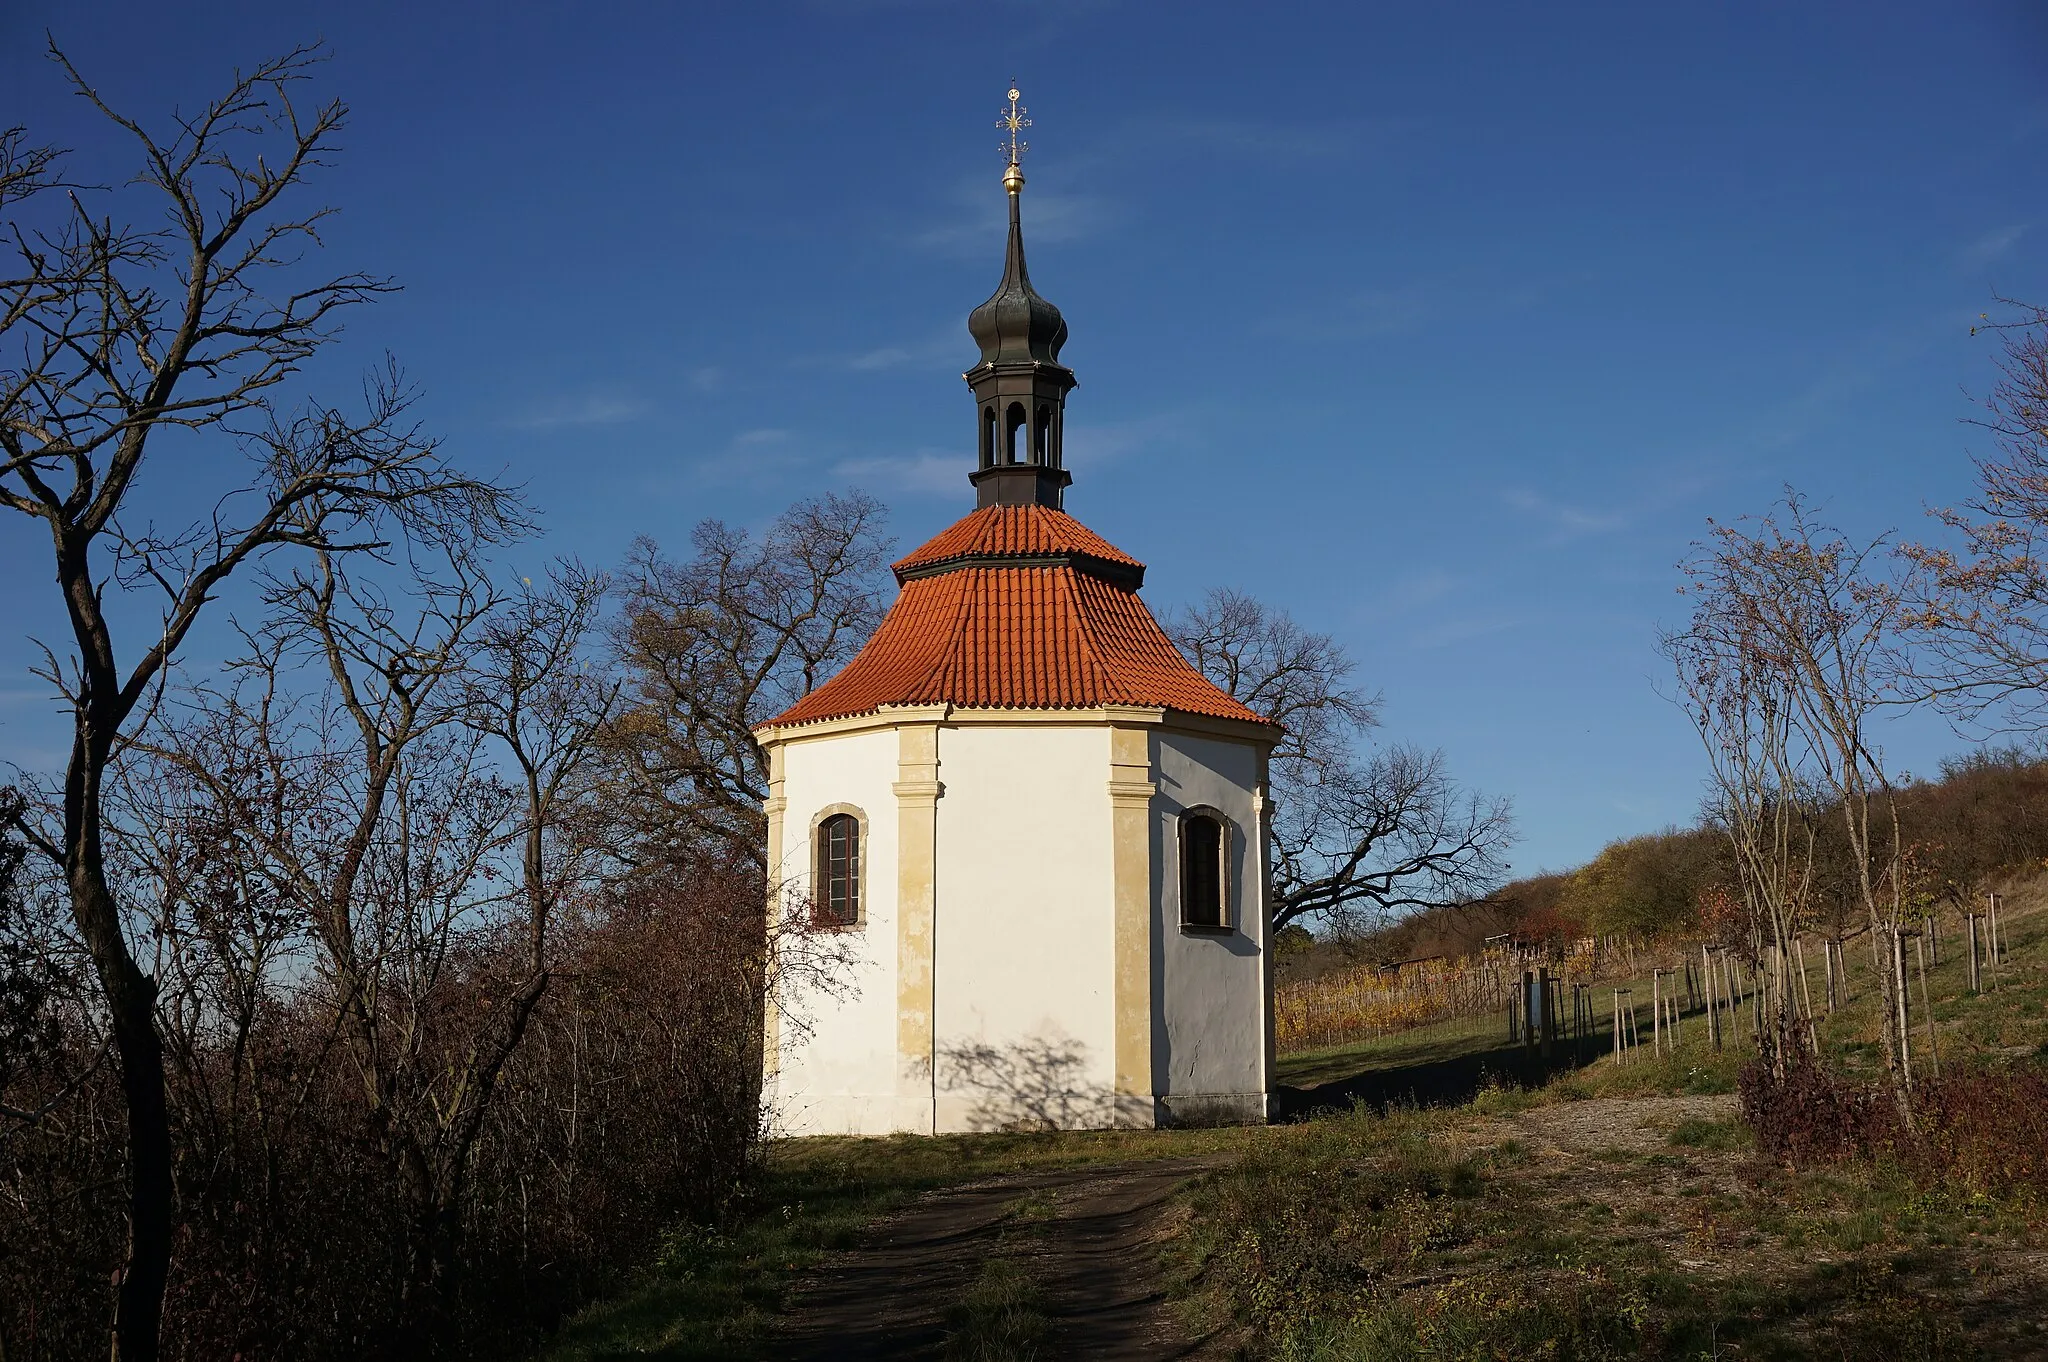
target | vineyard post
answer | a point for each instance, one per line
(1970, 929)
(1758, 981)
(1927, 1006)
(1990, 948)
(1805, 986)
(1899, 986)
(1707, 987)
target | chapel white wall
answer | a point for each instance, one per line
(1024, 946)
(837, 1071)
(1211, 1047)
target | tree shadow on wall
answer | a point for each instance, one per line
(1035, 1084)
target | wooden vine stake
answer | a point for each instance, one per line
(1657, 1011)
(1927, 1006)
(1991, 935)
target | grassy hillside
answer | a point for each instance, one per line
(1430, 1206)
(1620, 1210)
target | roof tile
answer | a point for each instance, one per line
(1014, 532)
(1023, 637)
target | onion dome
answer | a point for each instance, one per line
(1016, 324)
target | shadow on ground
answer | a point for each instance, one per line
(1425, 1080)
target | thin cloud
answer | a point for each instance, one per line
(1262, 139)
(1450, 632)
(1091, 446)
(1362, 314)
(979, 217)
(1415, 591)
(591, 409)
(1863, 363)
(923, 472)
(887, 357)
(755, 455)
(1992, 246)
(941, 347)
(1569, 521)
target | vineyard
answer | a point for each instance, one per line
(1369, 1000)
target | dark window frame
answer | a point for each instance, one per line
(1204, 871)
(839, 870)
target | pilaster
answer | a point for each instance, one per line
(1131, 788)
(1261, 917)
(774, 806)
(917, 791)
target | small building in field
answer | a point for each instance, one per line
(1040, 834)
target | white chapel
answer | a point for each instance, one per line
(1041, 831)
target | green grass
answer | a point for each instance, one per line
(1384, 1237)
(1392, 1237)
(1693, 1133)
(999, 1319)
(1975, 1030)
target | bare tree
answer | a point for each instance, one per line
(1791, 656)
(1980, 615)
(721, 643)
(1356, 837)
(382, 817)
(1735, 691)
(110, 333)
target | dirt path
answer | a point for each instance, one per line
(1085, 1237)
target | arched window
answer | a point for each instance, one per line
(1013, 421)
(1204, 869)
(988, 437)
(1040, 435)
(837, 890)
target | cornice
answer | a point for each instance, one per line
(1127, 576)
(950, 716)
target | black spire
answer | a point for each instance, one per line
(1020, 387)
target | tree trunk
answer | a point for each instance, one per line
(131, 1007)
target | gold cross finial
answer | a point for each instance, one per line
(1013, 121)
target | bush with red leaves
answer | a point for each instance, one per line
(1811, 1115)
(1983, 1132)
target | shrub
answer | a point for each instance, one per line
(1810, 1115)
(632, 1107)
(1987, 1132)
(1984, 1133)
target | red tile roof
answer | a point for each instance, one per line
(1021, 637)
(1013, 532)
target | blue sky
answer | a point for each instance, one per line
(1443, 326)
